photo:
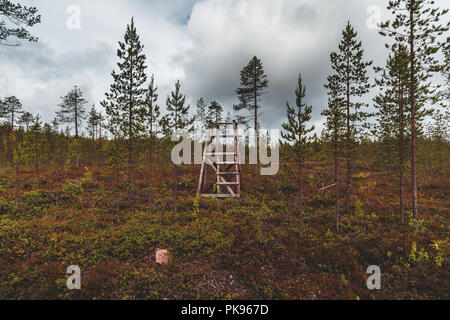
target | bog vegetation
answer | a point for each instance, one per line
(97, 188)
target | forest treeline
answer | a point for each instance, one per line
(408, 133)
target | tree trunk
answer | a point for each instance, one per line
(413, 117)
(401, 154)
(76, 117)
(347, 186)
(150, 199)
(175, 174)
(336, 174)
(256, 124)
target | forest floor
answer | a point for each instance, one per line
(251, 248)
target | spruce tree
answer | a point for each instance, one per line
(296, 131)
(125, 103)
(254, 83)
(20, 17)
(72, 109)
(417, 22)
(335, 125)
(351, 70)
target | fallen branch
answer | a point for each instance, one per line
(324, 188)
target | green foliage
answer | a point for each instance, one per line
(196, 207)
(6, 207)
(416, 225)
(70, 190)
(22, 17)
(37, 198)
(295, 129)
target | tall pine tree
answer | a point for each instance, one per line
(153, 115)
(392, 115)
(417, 23)
(125, 103)
(177, 119)
(335, 125)
(351, 70)
(254, 83)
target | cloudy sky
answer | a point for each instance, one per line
(204, 43)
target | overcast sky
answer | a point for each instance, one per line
(205, 44)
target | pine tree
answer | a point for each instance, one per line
(72, 109)
(19, 16)
(392, 113)
(33, 145)
(228, 118)
(153, 115)
(153, 112)
(26, 119)
(12, 108)
(351, 70)
(164, 123)
(254, 82)
(178, 113)
(177, 119)
(438, 132)
(335, 128)
(93, 122)
(2, 109)
(202, 115)
(446, 73)
(94, 128)
(296, 131)
(125, 103)
(417, 23)
(215, 111)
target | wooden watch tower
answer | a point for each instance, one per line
(225, 164)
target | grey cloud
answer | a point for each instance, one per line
(204, 43)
